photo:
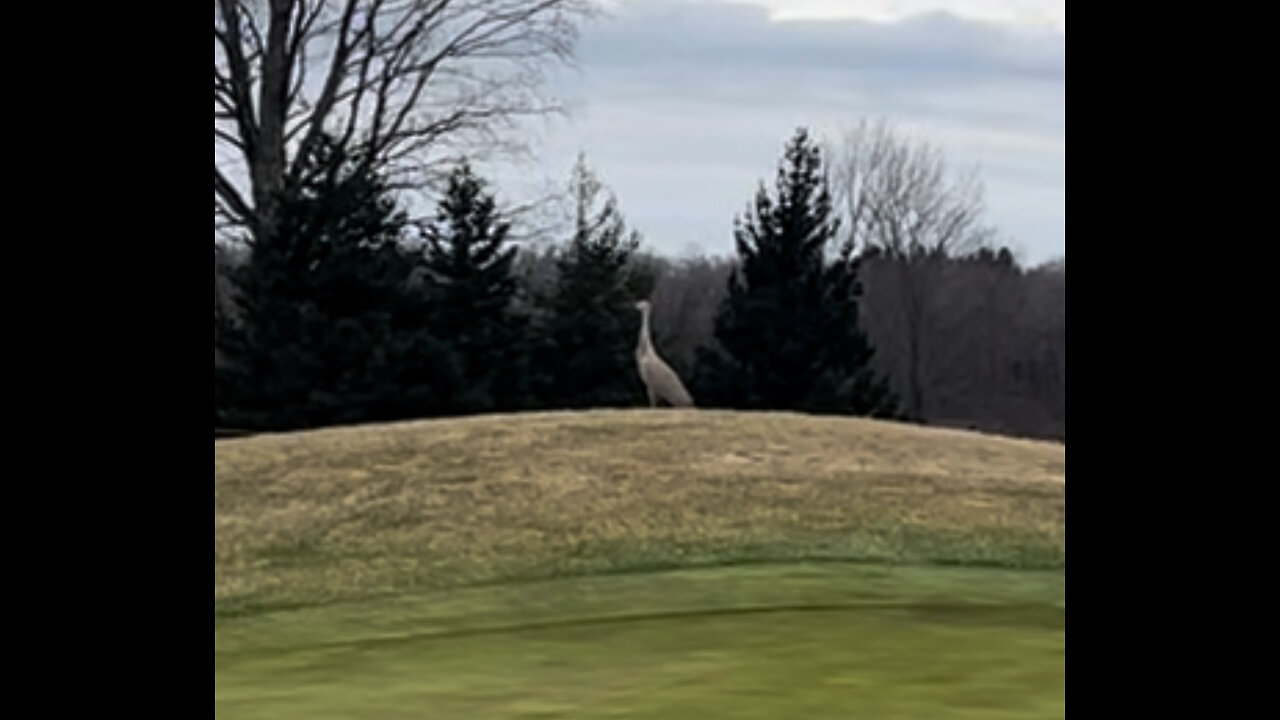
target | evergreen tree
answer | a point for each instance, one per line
(469, 260)
(587, 344)
(331, 327)
(787, 331)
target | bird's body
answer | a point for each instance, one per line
(660, 380)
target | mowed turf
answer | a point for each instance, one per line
(639, 564)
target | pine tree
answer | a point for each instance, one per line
(787, 331)
(588, 335)
(849, 385)
(331, 329)
(469, 261)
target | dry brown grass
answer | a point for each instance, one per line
(351, 513)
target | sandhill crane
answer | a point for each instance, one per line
(660, 381)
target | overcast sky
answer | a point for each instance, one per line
(683, 106)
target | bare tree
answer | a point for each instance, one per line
(902, 205)
(1047, 326)
(685, 300)
(395, 81)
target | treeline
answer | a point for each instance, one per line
(348, 311)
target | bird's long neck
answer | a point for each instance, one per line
(645, 345)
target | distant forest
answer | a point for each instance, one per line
(864, 282)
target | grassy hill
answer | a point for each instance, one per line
(670, 560)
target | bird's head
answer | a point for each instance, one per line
(642, 306)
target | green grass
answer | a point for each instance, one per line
(639, 564)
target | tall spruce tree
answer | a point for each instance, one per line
(469, 260)
(331, 327)
(588, 334)
(787, 330)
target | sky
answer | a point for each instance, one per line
(683, 107)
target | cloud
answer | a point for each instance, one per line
(684, 108)
(663, 35)
(1031, 15)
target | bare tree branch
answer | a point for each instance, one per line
(399, 83)
(228, 138)
(254, 37)
(333, 81)
(229, 200)
(237, 77)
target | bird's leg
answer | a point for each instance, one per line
(653, 399)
